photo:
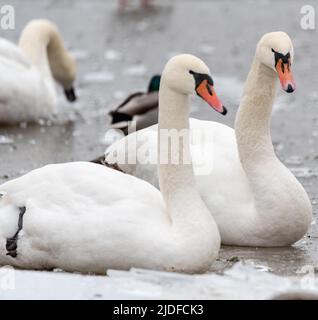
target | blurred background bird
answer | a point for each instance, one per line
(139, 107)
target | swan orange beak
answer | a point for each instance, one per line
(206, 91)
(285, 76)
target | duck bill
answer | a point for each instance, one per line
(207, 93)
(285, 77)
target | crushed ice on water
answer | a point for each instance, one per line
(23, 125)
(113, 55)
(279, 147)
(98, 77)
(76, 133)
(303, 172)
(41, 122)
(5, 140)
(242, 281)
(32, 142)
(118, 94)
(259, 267)
(294, 160)
(142, 26)
(80, 54)
(137, 70)
(206, 49)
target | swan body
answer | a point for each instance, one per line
(79, 223)
(81, 217)
(254, 198)
(27, 91)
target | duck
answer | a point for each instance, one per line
(81, 217)
(140, 108)
(138, 111)
(27, 92)
(254, 198)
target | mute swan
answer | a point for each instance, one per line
(254, 198)
(27, 90)
(80, 217)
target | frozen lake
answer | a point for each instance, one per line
(117, 52)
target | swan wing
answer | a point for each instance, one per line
(11, 52)
(80, 216)
(219, 174)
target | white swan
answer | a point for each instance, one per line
(81, 217)
(27, 91)
(254, 198)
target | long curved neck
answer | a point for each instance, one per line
(256, 152)
(252, 124)
(43, 45)
(279, 199)
(176, 178)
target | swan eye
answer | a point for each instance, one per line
(209, 89)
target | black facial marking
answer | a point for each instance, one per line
(12, 243)
(199, 77)
(285, 58)
(70, 94)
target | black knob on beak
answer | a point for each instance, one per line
(70, 94)
(290, 89)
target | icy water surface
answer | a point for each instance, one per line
(242, 281)
(117, 53)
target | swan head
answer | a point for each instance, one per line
(41, 32)
(62, 63)
(189, 75)
(64, 72)
(276, 51)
